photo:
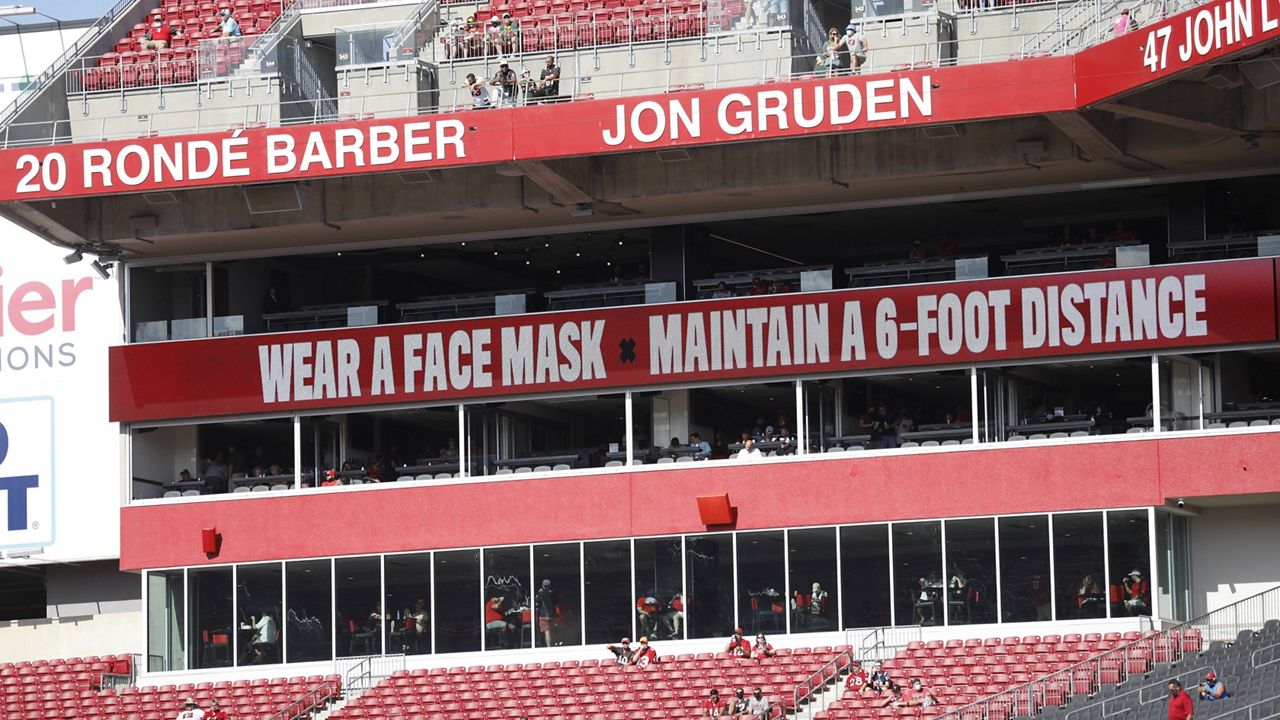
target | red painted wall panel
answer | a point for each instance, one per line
(941, 484)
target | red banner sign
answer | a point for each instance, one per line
(258, 155)
(1200, 35)
(988, 321)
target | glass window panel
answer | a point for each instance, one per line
(209, 610)
(813, 579)
(971, 577)
(259, 594)
(545, 435)
(1130, 555)
(557, 571)
(1079, 566)
(864, 564)
(1024, 568)
(709, 578)
(1171, 551)
(308, 636)
(917, 556)
(165, 624)
(607, 588)
(408, 603)
(358, 615)
(168, 303)
(507, 602)
(459, 606)
(762, 582)
(660, 604)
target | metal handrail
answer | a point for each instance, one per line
(816, 683)
(303, 706)
(1122, 661)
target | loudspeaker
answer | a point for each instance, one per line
(1261, 73)
(209, 540)
(714, 509)
(1223, 77)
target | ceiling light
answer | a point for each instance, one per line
(74, 257)
(103, 269)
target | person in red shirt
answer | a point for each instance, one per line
(215, 712)
(712, 707)
(762, 648)
(1180, 705)
(738, 646)
(647, 613)
(158, 36)
(644, 655)
(857, 680)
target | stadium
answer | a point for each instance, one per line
(398, 359)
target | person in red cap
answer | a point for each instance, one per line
(644, 655)
(330, 478)
(622, 652)
(1212, 689)
(857, 680)
(1180, 705)
(738, 646)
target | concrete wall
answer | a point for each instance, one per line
(385, 91)
(1233, 554)
(106, 634)
(203, 107)
(159, 455)
(94, 588)
(321, 22)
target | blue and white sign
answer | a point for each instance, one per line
(26, 473)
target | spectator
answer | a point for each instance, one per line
(1123, 24)
(330, 479)
(895, 695)
(917, 251)
(276, 470)
(1180, 705)
(784, 436)
(738, 646)
(191, 711)
(917, 696)
(1089, 597)
(227, 25)
(856, 40)
(722, 291)
(702, 446)
(184, 476)
(673, 618)
(712, 707)
(644, 655)
(547, 603)
(758, 286)
(1135, 590)
(830, 59)
(495, 618)
(479, 92)
(505, 81)
(158, 36)
(263, 644)
(758, 706)
(450, 449)
(740, 704)
(622, 652)
(884, 428)
(857, 680)
(1213, 689)
(647, 614)
(215, 711)
(675, 443)
(1121, 234)
(548, 87)
(762, 648)
(879, 680)
(419, 618)
(217, 472)
(749, 450)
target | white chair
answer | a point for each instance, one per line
(1135, 431)
(637, 461)
(951, 442)
(967, 441)
(1217, 426)
(1038, 436)
(261, 488)
(279, 488)
(1017, 438)
(425, 476)
(930, 443)
(665, 460)
(241, 489)
(404, 478)
(444, 476)
(855, 448)
(356, 481)
(1259, 423)
(172, 494)
(190, 493)
(835, 448)
(613, 463)
(910, 444)
(1080, 433)
(1276, 421)
(1238, 424)
(561, 467)
(684, 458)
(542, 468)
(524, 469)
(1057, 436)
(505, 471)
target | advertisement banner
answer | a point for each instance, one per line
(60, 484)
(758, 337)
(587, 127)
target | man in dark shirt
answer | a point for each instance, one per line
(505, 81)
(1180, 705)
(549, 81)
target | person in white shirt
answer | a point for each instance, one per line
(856, 40)
(749, 450)
(758, 706)
(190, 711)
(262, 647)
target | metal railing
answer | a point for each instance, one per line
(810, 695)
(206, 60)
(1137, 657)
(882, 643)
(361, 672)
(38, 83)
(309, 85)
(303, 707)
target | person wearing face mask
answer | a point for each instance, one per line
(916, 696)
(1180, 705)
(758, 705)
(738, 646)
(741, 703)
